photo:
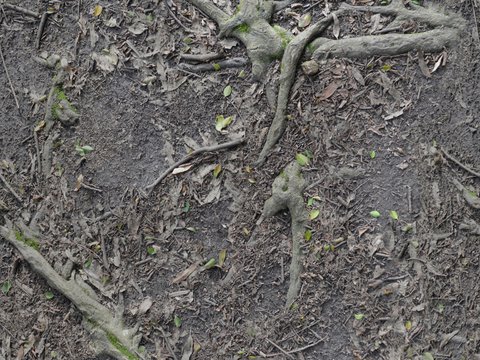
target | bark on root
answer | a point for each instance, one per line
(110, 335)
(265, 43)
(287, 193)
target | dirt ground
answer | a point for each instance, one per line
(383, 135)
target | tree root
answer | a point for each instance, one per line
(287, 193)
(264, 43)
(111, 336)
(470, 225)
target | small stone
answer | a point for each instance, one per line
(310, 67)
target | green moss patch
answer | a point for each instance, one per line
(34, 244)
(120, 347)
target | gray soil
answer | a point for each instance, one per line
(372, 288)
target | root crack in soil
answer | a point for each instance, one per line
(110, 335)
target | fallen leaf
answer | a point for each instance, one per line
(314, 214)
(182, 276)
(137, 28)
(221, 257)
(374, 214)
(393, 115)
(227, 91)
(305, 20)
(217, 170)
(97, 10)
(423, 65)
(336, 26)
(302, 160)
(222, 122)
(182, 168)
(328, 91)
(145, 306)
(393, 215)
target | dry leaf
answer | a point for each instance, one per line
(182, 168)
(423, 65)
(145, 306)
(336, 26)
(78, 184)
(328, 91)
(185, 274)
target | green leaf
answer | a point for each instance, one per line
(210, 264)
(216, 67)
(217, 170)
(314, 214)
(177, 321)
(242, 74)
(373, 154)
(188, 40)
(408, 325)
(302, 160)
(222, 122)
(151, 250)
(49, 295)
(7, 285)
(428, 356)
(186, 207)
(87, 149)
(393, 215)
(227, 91)
(222, 255)
(87, 263)
(308, 235)
(374, 214)
(386, 67)
(310, 202)
(359, 316)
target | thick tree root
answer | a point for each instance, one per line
(110, 335)
(264, 43)
(290, 60)
(287, 193)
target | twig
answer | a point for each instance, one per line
(279, 348)
(8, 78)
(201, 57)
(192, 155)
(9, 187)
(41, 27)
(224, 64)
(174, 17)
(451, 158)
(166, 342)
(21, 10)
(295, 350)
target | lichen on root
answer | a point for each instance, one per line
(287, 193)
(110, 335)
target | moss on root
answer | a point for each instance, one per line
(34, 244)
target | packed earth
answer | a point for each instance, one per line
(223, 179)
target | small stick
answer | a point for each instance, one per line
(295, 350)
(279, 348)
(224, 64)
(166, 342)
(451, 158)
(21, 10)
(201, 57)
(192, 155)
(409, 198)
(172, 14)
(8, 78)
(41, 27)
(9, 187)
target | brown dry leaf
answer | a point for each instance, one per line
(145, 306)
(78, 184)
(336, 26)
(187, 348)
(182, 276)
(423, 65)
(328, 91)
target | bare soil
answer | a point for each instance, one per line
(372, 287)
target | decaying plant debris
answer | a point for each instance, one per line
(190, 265)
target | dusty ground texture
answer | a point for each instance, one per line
(381, 132)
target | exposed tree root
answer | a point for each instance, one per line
(223, 64)
(265, 43)
(287, 193)
(110, 335)
(470, 225)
